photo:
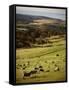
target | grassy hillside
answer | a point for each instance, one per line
(48, 59)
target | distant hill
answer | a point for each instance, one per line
(30, 18)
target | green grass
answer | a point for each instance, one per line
(43, 56)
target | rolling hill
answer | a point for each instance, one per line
(30, 18)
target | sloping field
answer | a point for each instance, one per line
(49, 63)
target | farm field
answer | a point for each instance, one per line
(43, 63)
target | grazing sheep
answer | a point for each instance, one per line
(33, 72)
(56, 69)
(26, 74)
(36, 68)
(53, 62)
(20, 65)
(57, 54)
(47, 70)
(42, 70)
(55, 65)
(24, 67)
(40, 67)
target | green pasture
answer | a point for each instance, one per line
(46, 56)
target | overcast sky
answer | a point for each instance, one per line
(48, 12)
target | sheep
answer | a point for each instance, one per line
(55, 65)
(26, 74)
(53, 62)
(56, 68)
(33, 72)
(57, 54)
(42, 70)
(36, 68)
(40, 67)
(20, 65)
(24, 67)
(47, 70)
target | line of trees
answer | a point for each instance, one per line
(37, 34)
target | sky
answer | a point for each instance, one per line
(48, 12)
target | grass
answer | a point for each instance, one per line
(47, 57)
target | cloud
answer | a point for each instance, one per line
(55, 13)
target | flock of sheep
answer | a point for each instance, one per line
(35, 70)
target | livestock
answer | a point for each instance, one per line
(33, 71)
(26, 74)
(40, 67)
(42, 70)
(36, 68)
(56, 68)
(24, 67)
(53, 62)
(57, 54)
(47, 70)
